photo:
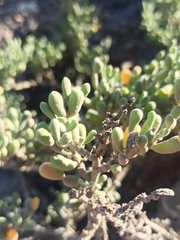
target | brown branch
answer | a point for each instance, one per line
(94, 220)
(113, 120)
(144, 198)
(104, 229)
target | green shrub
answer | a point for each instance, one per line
(69, 138)
(161, 20)
(77, 22)
(152, 86)
(38, 54)
(15, 218)
(17, 126)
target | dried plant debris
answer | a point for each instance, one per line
(129, 219)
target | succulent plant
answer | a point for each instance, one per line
(65, 211)
(17, 129)
(45, 53)
(129, 112)
(68, 137)
(81, 20)
(34, 53)
(16, 219)
(152, 86)
(160, 19)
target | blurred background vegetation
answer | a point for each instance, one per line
(43, 42)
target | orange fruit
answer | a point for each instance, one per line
(11, 234)
(125, 76)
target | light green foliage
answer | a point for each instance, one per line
(142, 131)
(71, 140)
(63, 130)
(44, 137)
(68, 134)
(14, 215)
(45, 53)
(77, 22)
(65, 211)
(117, 137)
(153, 88)
(135, 117)
(161, 19)
(56, 104)
(70, 47)
(16, 129)
(149, 135)
(16, 56)
(69, 145)
(13, 61)
(76, 99)
(64, 134)
(108, 94)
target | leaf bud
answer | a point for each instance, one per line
(44, 137)
(66, 138)
(62, 163)
(102, 178)
(117, 137)
(90, 136)
(104, 87)
(76, 99)
(13, 147)
(86, 88)
(116, 168)
(97, 65)
(47, 110)
(56, 103)
(66, 87)
(54, 127)
(151, 118)
(72, 124)
(136, 116)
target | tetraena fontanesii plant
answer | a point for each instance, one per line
(16, 219)
(77, 22)
(17, 129)
(70, 48)
(69, 139)
(64, 212)
(16, 56)
(152, 86)
(161, 19)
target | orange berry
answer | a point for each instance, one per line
(125, 76)
(12, 234)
